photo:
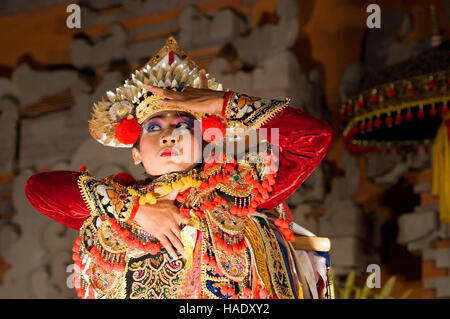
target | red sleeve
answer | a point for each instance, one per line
(56, 195)
(304, 142)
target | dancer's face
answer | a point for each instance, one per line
(167, 144)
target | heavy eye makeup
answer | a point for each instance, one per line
(183, 122)
(153, 126)
(157, 124)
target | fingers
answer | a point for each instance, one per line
(170, 234)
(172, 103)
(161, 91)
(203, 79)
(180, 219)
(175, 239)
(189, 105)
(168, 246)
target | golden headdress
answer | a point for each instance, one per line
(117, 117)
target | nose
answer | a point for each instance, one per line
(168, 139)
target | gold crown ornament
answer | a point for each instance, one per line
(116, 119)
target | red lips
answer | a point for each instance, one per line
(169, 152)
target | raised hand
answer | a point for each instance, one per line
(202, 100)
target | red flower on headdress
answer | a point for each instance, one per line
(213, 121)
(127, 131)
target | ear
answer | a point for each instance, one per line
(136, 156)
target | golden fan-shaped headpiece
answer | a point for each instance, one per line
(126, 108)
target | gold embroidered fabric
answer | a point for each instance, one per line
(96, 234)
(258, 253)
(277, 269)
(243, 111)
(154, 277)
(108, 199)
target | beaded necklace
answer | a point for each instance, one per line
(164, 185)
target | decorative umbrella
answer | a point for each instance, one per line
(404, 107)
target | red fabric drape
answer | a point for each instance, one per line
(303, 143)
(56, 195)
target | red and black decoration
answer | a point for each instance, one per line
(404, 112)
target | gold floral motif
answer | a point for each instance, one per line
(106, 199)
(235, 266)
(155, 277)
(88, 233)
(93, 233)
(237, 185)
(103, 281)
(115, 201)
(228, 223)
(109, 241)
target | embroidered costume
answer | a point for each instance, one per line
(237, 240)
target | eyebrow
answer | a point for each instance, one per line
(156, 117)
(161, 117)
(181, 118)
